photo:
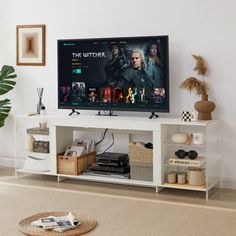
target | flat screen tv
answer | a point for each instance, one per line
(128, 74)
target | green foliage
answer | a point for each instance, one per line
(7, 83)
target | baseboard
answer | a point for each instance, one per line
(7, 161)
(229, 183)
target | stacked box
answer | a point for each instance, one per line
(141, 163)
(69, 165)
(141, 171)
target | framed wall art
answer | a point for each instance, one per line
(30, 45)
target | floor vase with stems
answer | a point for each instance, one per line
(204, 108)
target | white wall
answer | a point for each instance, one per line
(205, 28)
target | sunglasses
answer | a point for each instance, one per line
(182, 154)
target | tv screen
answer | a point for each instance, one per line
(129, 74)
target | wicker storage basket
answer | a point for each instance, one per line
(69, 165)
(140, 154)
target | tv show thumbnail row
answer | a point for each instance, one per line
(78, 93)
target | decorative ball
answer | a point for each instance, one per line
(180, 138)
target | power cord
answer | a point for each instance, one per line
(102, 137)
(113, 141)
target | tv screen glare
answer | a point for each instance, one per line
(128, 74)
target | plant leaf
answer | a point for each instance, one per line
(4, 110)
(7, 81)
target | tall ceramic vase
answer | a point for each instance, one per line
(204, 108)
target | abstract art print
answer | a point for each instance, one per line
(30, 45)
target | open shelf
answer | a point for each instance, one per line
(169, 143)
(110, 180)
(39, 155)
(23, 170)
(185, 186)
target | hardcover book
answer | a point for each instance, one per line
(199, 161)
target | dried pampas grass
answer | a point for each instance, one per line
(192, 83)
(200, 65)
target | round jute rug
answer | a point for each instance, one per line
(87, 224)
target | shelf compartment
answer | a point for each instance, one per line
(110, 180)
(39, 155)
(38, 131)
(184, 186)
(23, 170)
(169, 143)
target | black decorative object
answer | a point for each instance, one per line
(182, 154)
(188, 116)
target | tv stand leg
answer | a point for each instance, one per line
(153, 115)
(60, 179)
(111, 113)
(73, 111)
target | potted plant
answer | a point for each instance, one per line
(7, 83)
(204, 107)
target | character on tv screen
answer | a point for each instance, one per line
(129, 96)
(158, 95)
(118, 95)
(106, 95)
(78, 91)
(92, 95)
(64, 94)
(136, 75)
(117, 62)
(134, 96)
(154, 65)
(142, 95)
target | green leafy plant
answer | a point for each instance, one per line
(7, 83)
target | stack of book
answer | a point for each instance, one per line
(198, 162)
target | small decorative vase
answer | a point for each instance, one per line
(204, 108)
(40, 95)
(39, 105)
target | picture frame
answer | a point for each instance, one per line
(30, 45)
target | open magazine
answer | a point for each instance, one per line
(57, 223)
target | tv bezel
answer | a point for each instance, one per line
(127, 109)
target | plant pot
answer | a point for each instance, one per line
(204, 108)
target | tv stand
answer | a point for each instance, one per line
(109, 114)
(73, 111)
(153, 115)
(63, 130)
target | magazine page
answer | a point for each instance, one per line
(57, 223)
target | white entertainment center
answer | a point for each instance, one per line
(62, 130)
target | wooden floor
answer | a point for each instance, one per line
(224, 198)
